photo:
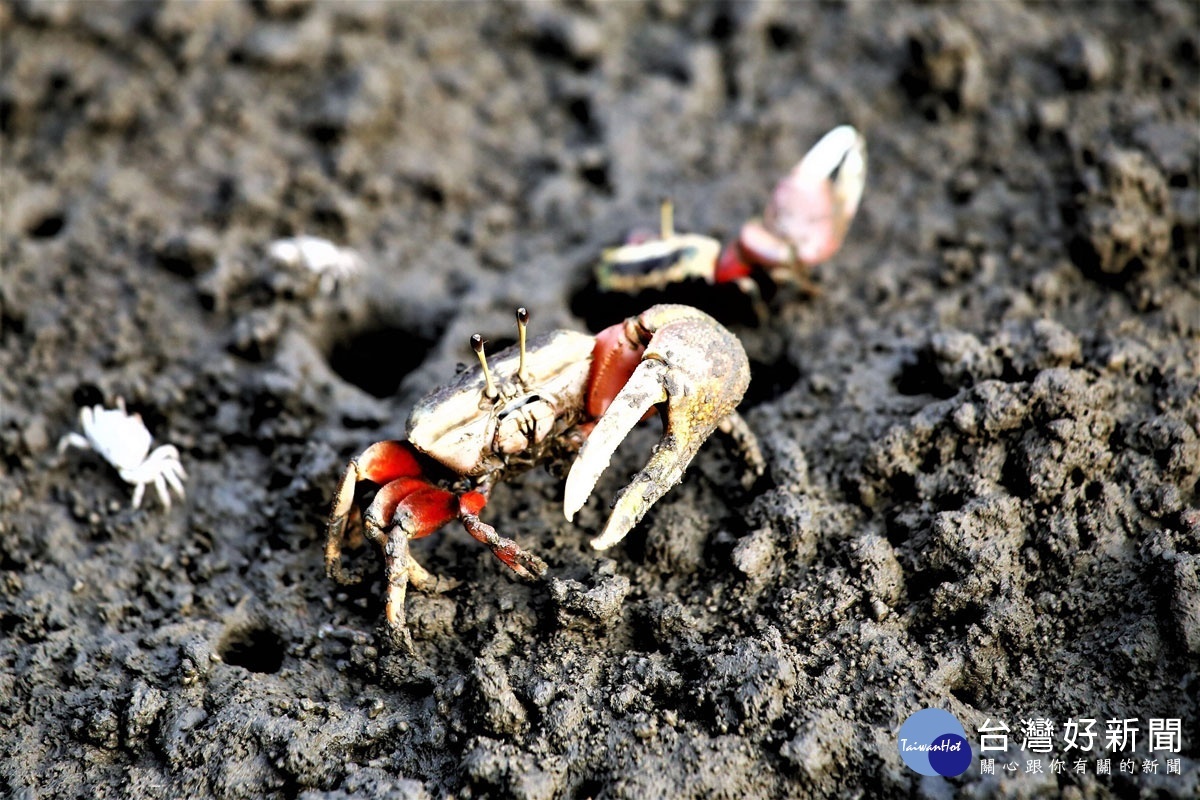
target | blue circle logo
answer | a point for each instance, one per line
(932, 742)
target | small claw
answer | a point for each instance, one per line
(812, 207)
(701, 371)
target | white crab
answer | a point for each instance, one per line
(331, 263)
(122, 439)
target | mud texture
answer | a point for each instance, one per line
(983, 436)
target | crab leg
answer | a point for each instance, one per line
(380, 463)
(746, 444)
(700, 371)
(521, 561)
(407, 506)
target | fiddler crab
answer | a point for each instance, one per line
(558, 395)
(804, 224)
(123, 441)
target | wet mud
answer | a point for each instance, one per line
(982, 436)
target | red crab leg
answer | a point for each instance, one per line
(406, 508)
(522, 562)
(380, 463)
(413, 508)
(731, 267)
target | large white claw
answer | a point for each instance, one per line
(694, 365)
(627, 409)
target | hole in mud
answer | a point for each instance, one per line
(327, 217)
(87, 394)
(48, 226)
(325, 134)
(780, 37)
(430, 192)
(581, 111)
(769, 380)
(597, 176)
(1015, 477)
(589, 788)
(722, 27)
(921, 585)
(255, 649)
(920, 376)
(377, 359)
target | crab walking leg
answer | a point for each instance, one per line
(380, 463)
(160, 486)
(406, 508)
(396, 569)
(701, 372)
(138, 491)
(162, 469)
(521, 561)
(746, 444)
(74, 440)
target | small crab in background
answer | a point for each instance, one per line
(122, 440)
(564, 396)
(333, 265)
(805, 222)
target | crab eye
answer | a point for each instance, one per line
(489, 390)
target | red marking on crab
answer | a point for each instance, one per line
(614, 358)
(731, 267)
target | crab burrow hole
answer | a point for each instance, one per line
(256, 648)
(376, 357)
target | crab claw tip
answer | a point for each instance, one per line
(643, 390)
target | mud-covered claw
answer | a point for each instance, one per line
(700, 371)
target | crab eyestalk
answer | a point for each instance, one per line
(666, 218)
(522, 324)
(489, 390)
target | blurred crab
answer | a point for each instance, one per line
(122, 440)
(805, 223)
(562, 393)
(331, 264)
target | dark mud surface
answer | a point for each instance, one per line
(983, 436)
